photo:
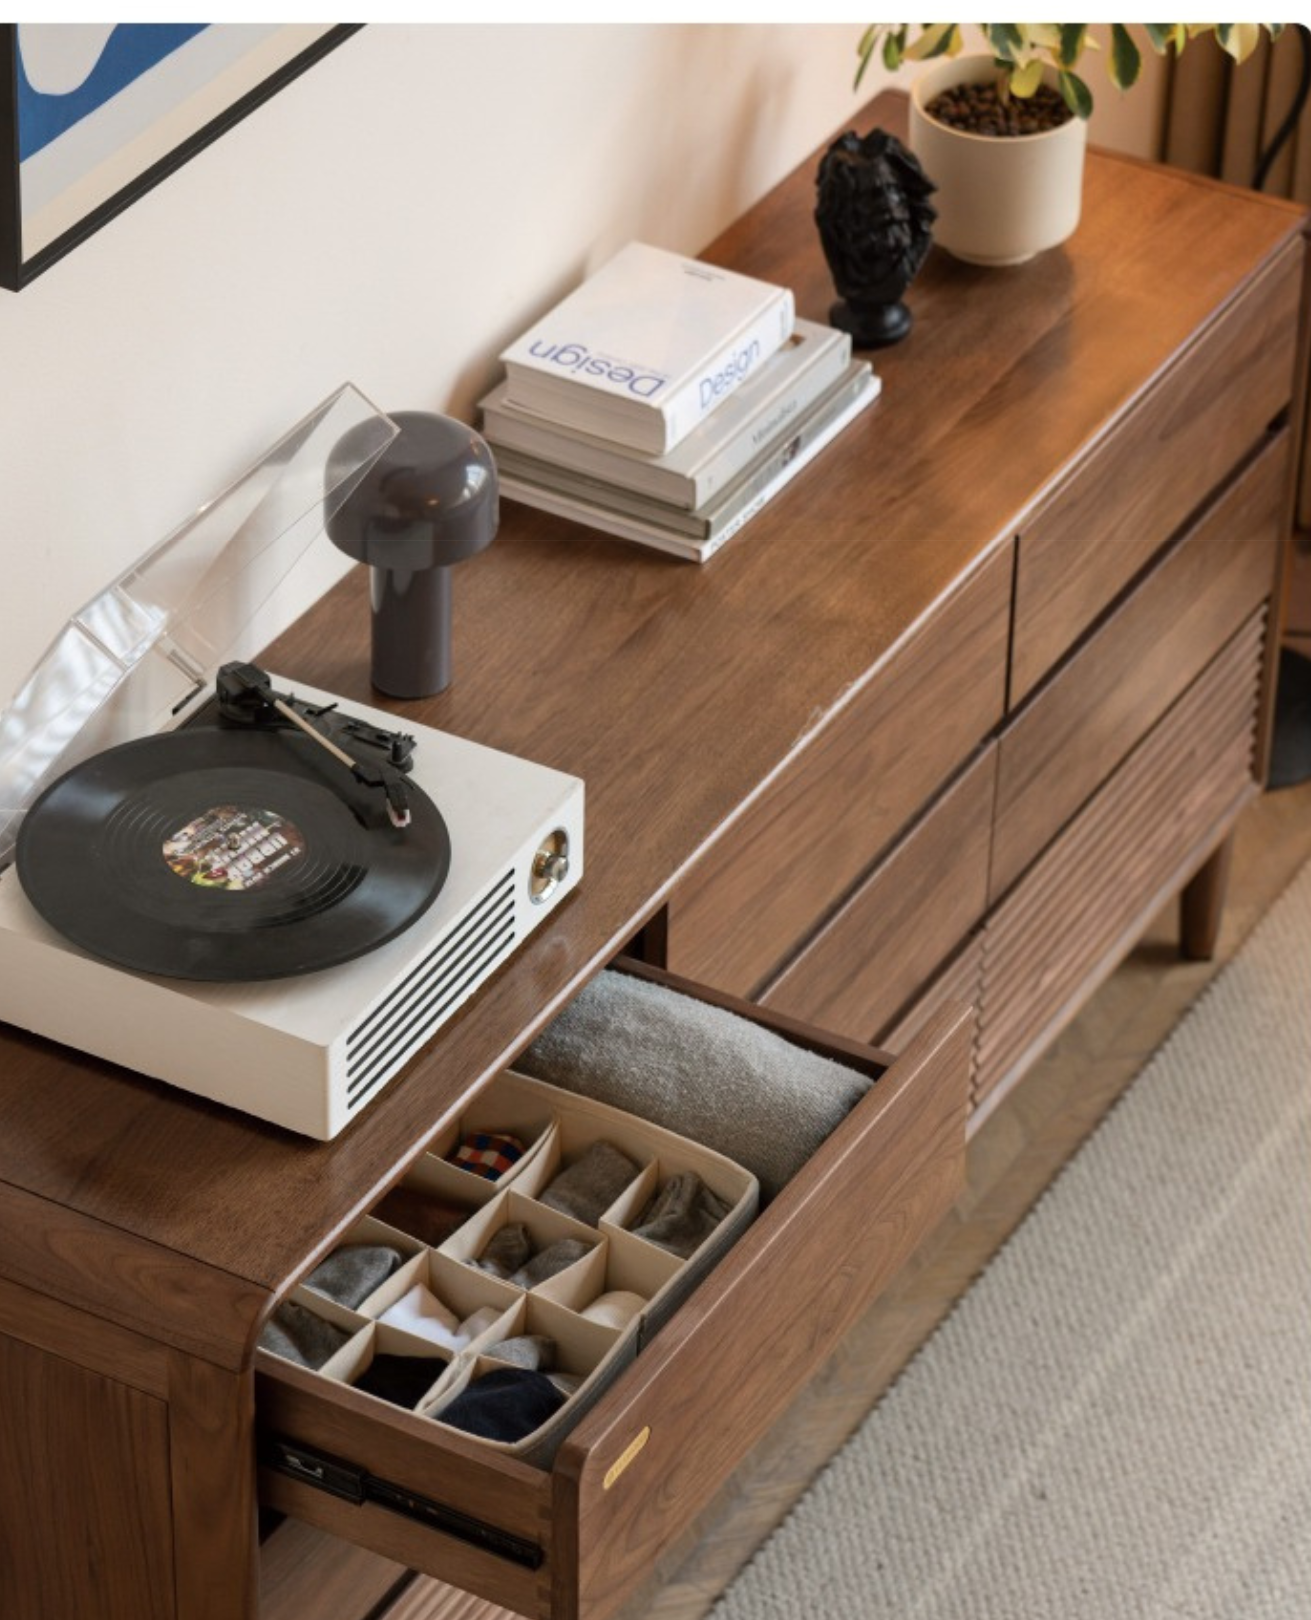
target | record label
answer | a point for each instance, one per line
(231, 847)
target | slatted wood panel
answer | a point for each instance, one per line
(1062, 928)
(1110, 518)
(893, 934)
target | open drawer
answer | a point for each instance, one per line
(577, 1538)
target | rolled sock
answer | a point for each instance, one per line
(430, 1219)
(486, 1153)
(352, 1272)
(587, 1188)
(298, 1335)
(504, 1405)
(478, 1323)
(533, 1350)
(553, 1259)
(682, 1215)
(507, 1249)
(615, 1309)
(402, 1380)
(421, 1312)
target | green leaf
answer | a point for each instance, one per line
(1164, 35)
(892, 53)
(1026, 78)
(1078, 97)
(1126, 61)
(1005, 39)
(1071, 47)
(935, 40)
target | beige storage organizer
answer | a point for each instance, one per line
(558, 1128)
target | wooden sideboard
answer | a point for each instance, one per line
(913, 760)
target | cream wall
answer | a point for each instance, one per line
(391, 218)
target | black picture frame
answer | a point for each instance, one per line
(18, 270)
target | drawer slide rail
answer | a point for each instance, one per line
(355, 1484)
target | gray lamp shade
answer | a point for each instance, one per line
(429, 501)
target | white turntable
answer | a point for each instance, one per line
(307, 1052)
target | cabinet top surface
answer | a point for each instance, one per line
(675, 691)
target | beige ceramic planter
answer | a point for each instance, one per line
(1000, 199)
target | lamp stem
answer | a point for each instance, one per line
(411, 631)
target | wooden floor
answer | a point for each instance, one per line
(1011, 1160)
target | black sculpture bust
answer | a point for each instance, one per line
(875, 226)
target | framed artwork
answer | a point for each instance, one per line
(92, 115)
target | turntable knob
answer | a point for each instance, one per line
(550, 867)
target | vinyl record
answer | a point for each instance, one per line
(224, 855)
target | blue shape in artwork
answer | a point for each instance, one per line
(130, 51)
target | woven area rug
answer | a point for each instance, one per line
(1115, 1421)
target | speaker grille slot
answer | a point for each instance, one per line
(456, 964)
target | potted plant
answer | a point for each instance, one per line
(1002, 136)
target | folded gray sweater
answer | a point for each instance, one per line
(697, 1070)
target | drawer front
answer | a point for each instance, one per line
(642, 1463)
(903, 922)
(815, 832)
(1071, 919)
(640, 1468)
(1124, 679)
(1156, 467)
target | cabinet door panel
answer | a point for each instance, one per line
(85, 1521)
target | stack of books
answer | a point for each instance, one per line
(666, 401)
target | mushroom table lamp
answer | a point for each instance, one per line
(428, 502)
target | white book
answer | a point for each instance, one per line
(647, 347)
(714, 453)
(649, 532)
(706, 520)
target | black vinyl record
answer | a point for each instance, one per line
(224, 855)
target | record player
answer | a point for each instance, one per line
(235, 884)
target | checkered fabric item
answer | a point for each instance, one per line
(486, 1153)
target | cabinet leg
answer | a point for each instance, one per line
(1201, 905)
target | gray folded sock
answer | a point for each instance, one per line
(508, 1248)
(298, 1335)
(352, 1272)
(554, 1258)
(682, 1215)
(588, 1187)
(532, 1350)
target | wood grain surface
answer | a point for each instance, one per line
(904, 920)
(85, 1520)
(1136, 489)
(1124, 677)
(638, 1469)
(678, 693)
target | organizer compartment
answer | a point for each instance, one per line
(565, 1524)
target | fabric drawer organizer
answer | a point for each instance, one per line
(610, 1293)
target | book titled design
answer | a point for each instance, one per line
(714, 453)
(647, 347)
(698, 536)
